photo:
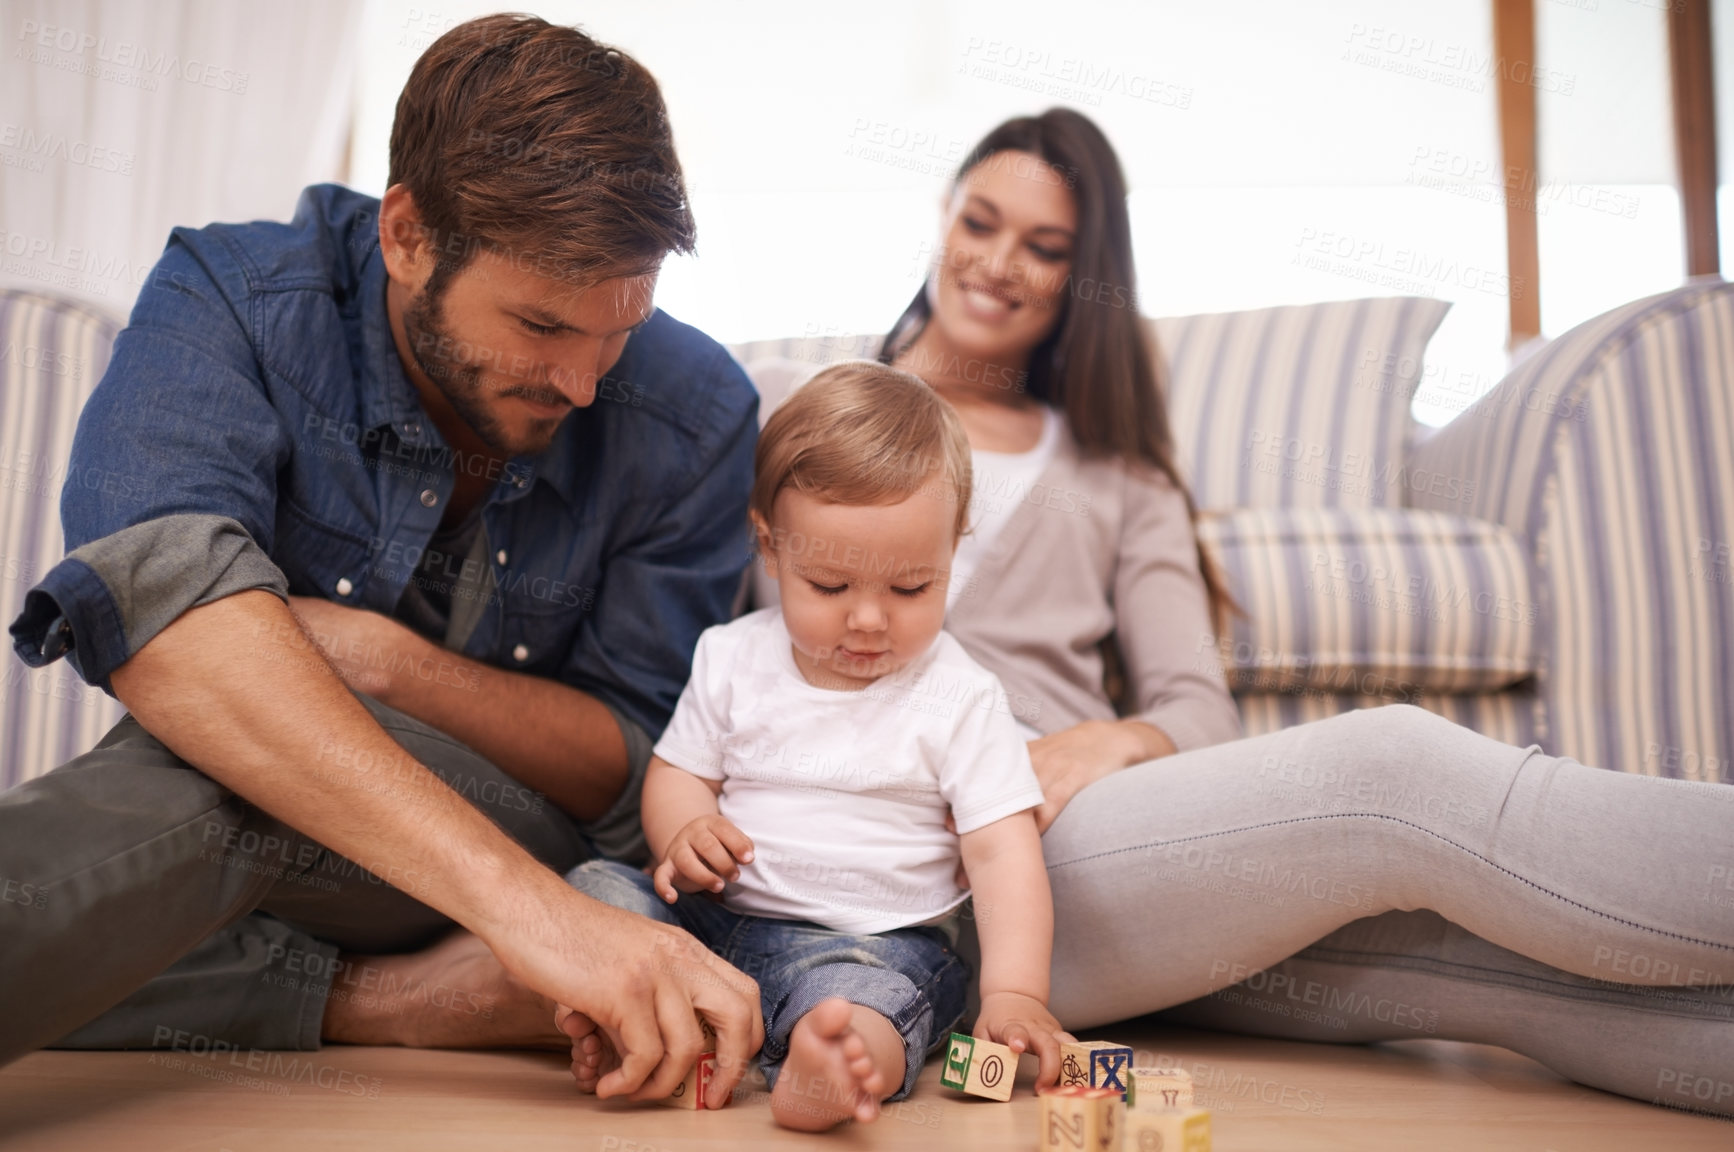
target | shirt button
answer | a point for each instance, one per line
(412, 431)
(501, 557)
(429, 497)
(520, 653)
(344, 587)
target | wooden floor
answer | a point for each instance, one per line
(1264, 1095)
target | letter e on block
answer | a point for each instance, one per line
(979, 1067)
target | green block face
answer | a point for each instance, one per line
(958, 1053)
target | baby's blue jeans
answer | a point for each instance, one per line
(910, 976)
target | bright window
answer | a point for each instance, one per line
(1278, 152)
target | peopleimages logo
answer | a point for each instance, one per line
(44, 252)
(133, 57)
(53, 146)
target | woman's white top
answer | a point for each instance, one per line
(1003, 480)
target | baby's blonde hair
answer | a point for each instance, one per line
(860, 432)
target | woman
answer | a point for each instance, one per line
(1182, 865)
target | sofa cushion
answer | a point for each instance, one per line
(52, 352)
(1304, 406)
(1384, 602)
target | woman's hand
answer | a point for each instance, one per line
(1024, 1024)
(1072, 759)
(704, 855)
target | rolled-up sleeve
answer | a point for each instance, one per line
(1163, 621)
(171, 488)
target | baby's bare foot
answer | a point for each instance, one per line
(592, 1056)
(833, 1073)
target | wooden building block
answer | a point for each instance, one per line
(1177, 1130)
(1153, 1089)
(1095, 1064)
(979, 1067)
(694, 1091)
(1079, 1119)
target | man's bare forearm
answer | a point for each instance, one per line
(562, 742)
(229, 690)
(226, 689)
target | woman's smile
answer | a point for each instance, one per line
(984, 303)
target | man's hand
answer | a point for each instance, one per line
(641, 983)
(278, 729)
(1072, 759)
(703, 856)
(1024, 1024)
(363, 646)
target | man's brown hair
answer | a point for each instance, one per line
(863, 433)
(538, 143)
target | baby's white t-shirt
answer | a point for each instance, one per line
(845, 794)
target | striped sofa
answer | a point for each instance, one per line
(1552, 567)
(52, 353)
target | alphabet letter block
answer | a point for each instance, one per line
(979, 1067)
(1187, 1130)
(1095, 1064)
(694, 1091)
(1078, 1119)
(1153, 1089)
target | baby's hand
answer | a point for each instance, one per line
(702, 857)
(1023, 1024)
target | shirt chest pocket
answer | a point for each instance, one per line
(543, 606)
(320, 558)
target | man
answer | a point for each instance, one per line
(441, 449)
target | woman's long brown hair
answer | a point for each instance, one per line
(1098, 365)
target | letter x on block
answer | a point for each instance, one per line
(1096, 1064)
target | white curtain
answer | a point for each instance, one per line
(121, 119)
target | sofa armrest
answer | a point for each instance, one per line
(1386, 602)
(1611, 454)
(55, 351)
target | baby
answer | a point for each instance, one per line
(802, 803)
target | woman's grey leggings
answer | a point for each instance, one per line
(1388, 874)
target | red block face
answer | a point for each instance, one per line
(706, 1070)
(695, 1091)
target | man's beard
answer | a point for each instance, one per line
(424, 324)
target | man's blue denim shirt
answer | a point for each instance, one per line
(256, 409)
